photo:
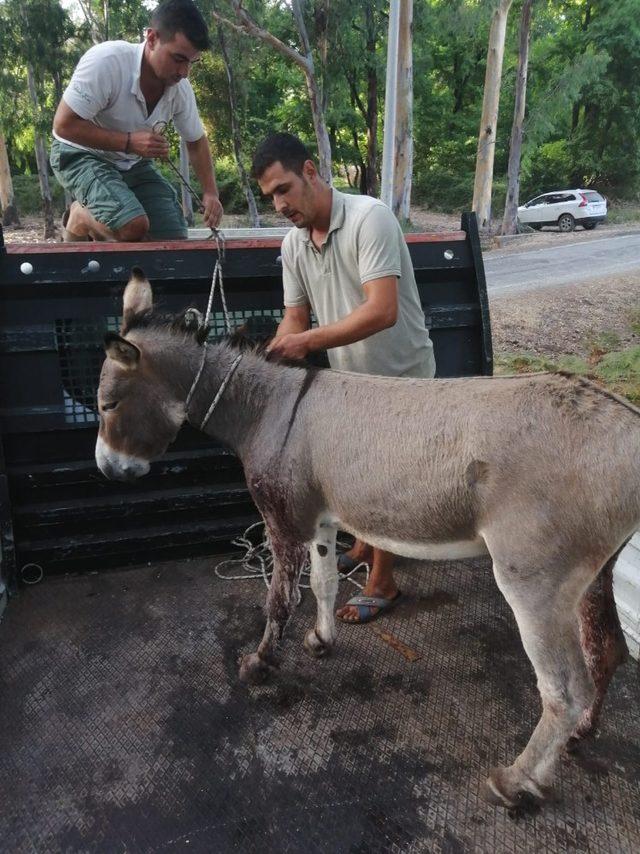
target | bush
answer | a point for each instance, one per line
(28, 198)
(442, 190)
(551, 169)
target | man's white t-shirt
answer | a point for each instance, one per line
(365, 242)
(105, 89)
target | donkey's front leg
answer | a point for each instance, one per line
(324, 583)
(288, 559)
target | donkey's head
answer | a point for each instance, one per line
(140, 413)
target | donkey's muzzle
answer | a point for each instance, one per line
(117, 466)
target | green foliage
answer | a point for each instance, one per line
(620, 371)
(527, 363)
(28, 198)
(550, 170)
(582, 124)
(604, 342)
(617, 369)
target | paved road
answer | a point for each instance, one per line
(562, 264)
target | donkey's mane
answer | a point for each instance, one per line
(238, 339)
(163, 322)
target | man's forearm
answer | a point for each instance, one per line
(291, 325)
(84, 132)
(202, 162)
(360, 324)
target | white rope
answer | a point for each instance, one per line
(217, 276)
(257, 562)
(225, 382)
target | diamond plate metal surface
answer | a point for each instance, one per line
(123, 726)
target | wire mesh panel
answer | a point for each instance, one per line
(81, 353)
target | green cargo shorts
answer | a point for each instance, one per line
(115, 197)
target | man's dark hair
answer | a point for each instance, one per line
(284, 148)
(181, 16)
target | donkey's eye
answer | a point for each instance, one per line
(107, 406)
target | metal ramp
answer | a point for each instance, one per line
(123, 726)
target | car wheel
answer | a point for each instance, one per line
(589, 226)
(566, 222)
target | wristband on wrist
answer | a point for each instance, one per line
(128, 145)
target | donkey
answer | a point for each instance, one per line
(542, 472)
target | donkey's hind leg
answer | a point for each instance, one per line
(324, 583)
(548, 623)
(603, 642)
(282, 598)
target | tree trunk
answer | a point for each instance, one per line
(322, 41)
(7, 199)
(41, 160)
(315, 96)
(397, 159)
(488, 123)
(372, 106)
(510, 220)
(303, 59)
(187, 198)
(403, 171)
(254, 216)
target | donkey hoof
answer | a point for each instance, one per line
(254, 670)
(505, 787)
(315, 646)
(585, 727)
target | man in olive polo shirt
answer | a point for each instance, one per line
(347, 261)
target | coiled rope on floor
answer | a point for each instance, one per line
(257, 562)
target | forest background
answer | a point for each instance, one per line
(582, 120)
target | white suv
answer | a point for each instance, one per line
(566, 209)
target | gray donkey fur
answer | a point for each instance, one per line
(541, 472)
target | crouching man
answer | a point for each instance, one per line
(109, 126)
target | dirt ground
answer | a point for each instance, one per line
(551, 322)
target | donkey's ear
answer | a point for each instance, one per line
(138, 297)
(121, 351)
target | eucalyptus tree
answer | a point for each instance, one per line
(254, 216)
(489, 120)
(356, 41)
(10, 85)
(510, 219)
(38, 30)
(302, 57)
(450, 43)
(8, 206)
(107, 20)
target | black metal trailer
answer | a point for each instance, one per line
(123, 727)
(56, 303)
